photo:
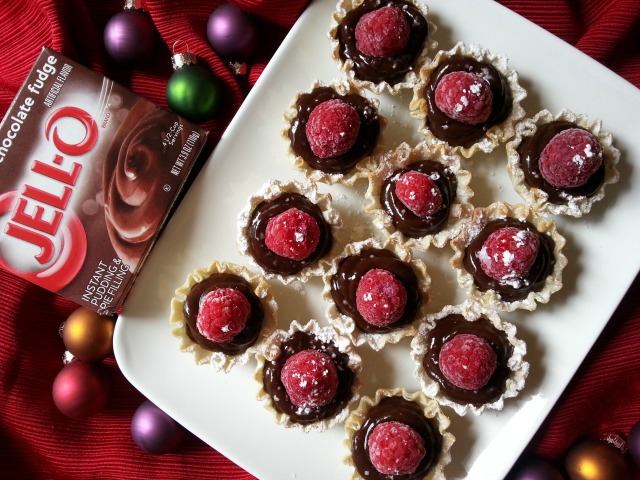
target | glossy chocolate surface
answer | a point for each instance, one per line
(351, 269)
(242, 340)
(529, 151)
(260, 217)
(447, 328)
(365, 142)
(399, 410)
(403, 219)
(298, 342)
(511, 290)
(379, 69)
(457, 133)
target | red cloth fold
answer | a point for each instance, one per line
(39, 442)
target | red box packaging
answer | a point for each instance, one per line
(88, 174)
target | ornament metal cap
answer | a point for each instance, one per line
(183, 58)
(133, 5)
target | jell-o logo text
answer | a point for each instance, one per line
(40, 217)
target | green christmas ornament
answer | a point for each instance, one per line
(192, 91)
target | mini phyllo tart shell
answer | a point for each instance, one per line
(523, 153)
(273, 199)
(544, 276)
(342, 279)
(414, 410)
(505, 109)
(347, 167)
(505, 381)
(251, 340)
(281, 346)
(393, 73)
(392, 216)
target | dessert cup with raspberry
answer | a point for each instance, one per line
(308, 376)
(420, 194)
(223, 315)
(468, 99)
(468, 358)
(332, 130)
(287, 229)
(376, 291)
(398, 434)
(379, 44)
(508, 257)
(561, 164)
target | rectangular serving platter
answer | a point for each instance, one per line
(222, 409)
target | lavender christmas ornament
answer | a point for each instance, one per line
(154, 431)
(231, 33)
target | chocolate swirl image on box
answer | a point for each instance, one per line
(135, 171)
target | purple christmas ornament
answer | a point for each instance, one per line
(534, 468)
(231, 33)
(633, 443)
(154, 431)
(130, 36)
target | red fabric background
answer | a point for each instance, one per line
(38, 442)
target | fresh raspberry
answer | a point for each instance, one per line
(383, 32)
(292, 234)
(419, 193)
(223, 313)
(395, 448)
(380, 297)
(465, 97)
(508, 253)
(310, 379)
(570, 158)
(332, 128)
(467, 361)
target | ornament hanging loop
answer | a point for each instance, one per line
(180, 59)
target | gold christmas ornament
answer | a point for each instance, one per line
(595, 460)
(88, 335)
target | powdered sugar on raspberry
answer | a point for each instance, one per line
(508, 253)
(292, 234)
(332, 128)
(383, 32)
(419, 193)
(465, 97)
(222, 314)
(570, 158)
(395, 448)
(467, 361)
(380, 297)
(310, 379)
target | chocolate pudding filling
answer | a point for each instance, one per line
(382, 69)
(260, 217)
(403, 219)
(298, 342)
(529, 152)
(242, 340)
(399, 410)
(512, 289)
(364, 144)
(446, 329)
(457, 133)
(344, 285)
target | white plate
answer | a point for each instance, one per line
(602, 250)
